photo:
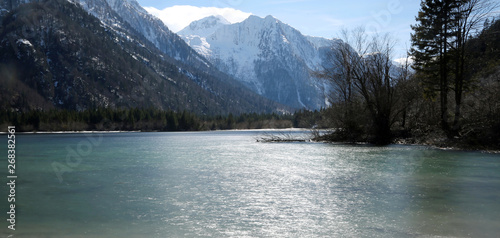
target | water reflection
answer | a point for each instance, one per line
(454, 194)
(224, 184)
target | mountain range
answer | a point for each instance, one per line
(270, 57)
(101, 53)
(80, 54)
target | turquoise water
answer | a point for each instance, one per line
(225, 184)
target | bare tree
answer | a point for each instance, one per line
(360, 69)
(339, 70)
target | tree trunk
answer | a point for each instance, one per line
(444, 80)
(403, 124)
(382, 128)
(444, 94)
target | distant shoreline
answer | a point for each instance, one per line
(69, 132)
(139, 131)
(447, 145)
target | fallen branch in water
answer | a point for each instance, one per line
(281, 137)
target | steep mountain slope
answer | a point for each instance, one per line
(270, 57)
(54, 54)
(156, 32)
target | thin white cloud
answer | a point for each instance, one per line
(178, 17)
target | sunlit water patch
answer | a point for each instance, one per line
(225, 184)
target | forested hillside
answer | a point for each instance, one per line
(57, 55)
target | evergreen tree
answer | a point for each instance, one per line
(469, 16)
(230, 121)
(430, 49)
(439, 50)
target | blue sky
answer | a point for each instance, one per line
(312, 17)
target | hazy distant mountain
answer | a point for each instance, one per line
(270, 57)
(54, 54)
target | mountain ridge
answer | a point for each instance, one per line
(78, 62)
(270, 57)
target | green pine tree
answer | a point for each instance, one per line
(440, 54)
(431, 43)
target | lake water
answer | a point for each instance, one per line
(225, 184)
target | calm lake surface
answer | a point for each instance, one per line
(225, 184)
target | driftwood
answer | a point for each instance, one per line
(280, 137)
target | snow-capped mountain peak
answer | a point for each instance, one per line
(269, 56)
(112, 53)
(205, 26)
